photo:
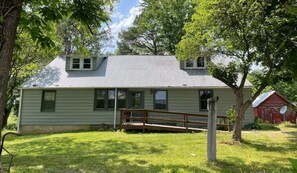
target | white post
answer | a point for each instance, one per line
(115, 108)
(211, 129)
(20, 110)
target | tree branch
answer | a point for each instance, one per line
(10, 9)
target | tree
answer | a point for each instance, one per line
(27, 59)
(248, 32)
(37, 17)
(287, 88)
(142, 37)
(157, 29)
(76, 38)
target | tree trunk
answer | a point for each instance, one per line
(10, 11)
(236, 136)
(240, 111)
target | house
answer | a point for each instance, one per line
(267, 106)
(75, 92)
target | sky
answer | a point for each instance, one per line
(123, 16)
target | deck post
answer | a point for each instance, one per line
(184, 120)
(187, 123)
(211, 129)
(145, 114)
(121, 118)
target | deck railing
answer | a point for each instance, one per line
(127, 118)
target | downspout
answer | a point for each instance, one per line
(20, 110)
(115, 108)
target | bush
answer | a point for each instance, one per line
(231, 113)
(255, 125)
(12, 122)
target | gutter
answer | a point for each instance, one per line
(20, 111)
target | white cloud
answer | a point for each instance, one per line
(123, 23)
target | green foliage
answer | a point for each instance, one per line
(76, 38)
(294, 164)
(12, 123)
(231, 113)
(255, 125)
(38, 17)
(243, 33)
(157, 29)
(286, 87)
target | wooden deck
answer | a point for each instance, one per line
(134, 126)
(173, 121)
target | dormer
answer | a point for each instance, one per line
(76, 63)
(194, 63)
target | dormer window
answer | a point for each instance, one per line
(199, 63)
(87, 63)
(75, 63)
(189, 63)
(81, 63)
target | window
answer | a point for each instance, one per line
(189, 63)
(104, 98)
(75, 63)
(100, 99)
(160, 100)
(81, 63)
(136, 99)
(48, 101)
(87, 63)
(204, 95)
(199, 63)
(122, 95)
(110, 96)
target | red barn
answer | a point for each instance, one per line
(267, 107)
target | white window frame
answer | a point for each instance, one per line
(195, 64)
(81, 63)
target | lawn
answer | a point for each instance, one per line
(262, 151)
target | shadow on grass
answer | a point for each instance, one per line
(63, 154)
(267, 148)
(235, 164)
(271, 127)
(292, 136)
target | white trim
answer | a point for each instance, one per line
(194, 60)
(115, 108)
(81, 63)
(20, 110)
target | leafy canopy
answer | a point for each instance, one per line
(248, 32)
(38, 16)
(157, 29)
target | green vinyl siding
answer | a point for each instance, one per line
(76, 106)
(73, 106)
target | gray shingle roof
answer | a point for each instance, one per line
(125, 72)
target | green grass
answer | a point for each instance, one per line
(119, 152)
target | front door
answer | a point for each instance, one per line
(136, 102)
